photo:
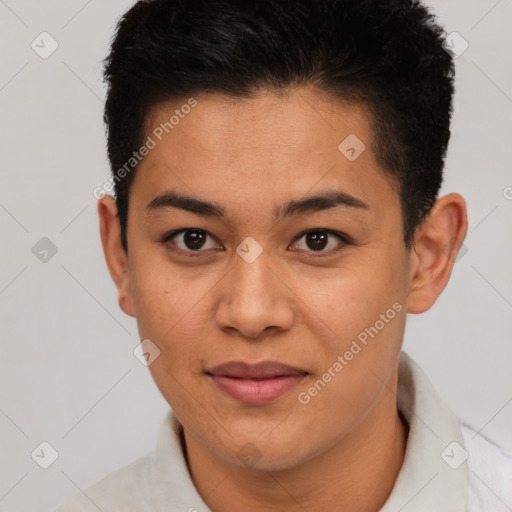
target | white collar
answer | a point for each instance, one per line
(427, 482)
(429, 479)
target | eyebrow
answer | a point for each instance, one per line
(309, 204)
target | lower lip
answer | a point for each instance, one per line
(257, 391)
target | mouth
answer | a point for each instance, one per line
(256, 384)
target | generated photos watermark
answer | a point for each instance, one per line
(355, 348)
(151, 142)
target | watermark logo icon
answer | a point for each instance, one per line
(44, 45)
(44, 455)
(249, 455)
(455, 45)
(455, 250)
(351, 147)
(249, 250)
(454, 455)
(146, 352)
(44, 250)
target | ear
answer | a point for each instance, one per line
(115, 256)
(436, 244)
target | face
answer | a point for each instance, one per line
(278, 307)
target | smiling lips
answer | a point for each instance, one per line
(256, 384)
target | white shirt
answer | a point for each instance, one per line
(448, 467)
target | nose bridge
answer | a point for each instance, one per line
(253, 298)
(251, 274)
(252, 280)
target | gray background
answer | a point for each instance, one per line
(68, 375)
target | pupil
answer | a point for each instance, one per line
(194, 239)
(316, 241)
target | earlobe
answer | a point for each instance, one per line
(115, 256)
(435, 247)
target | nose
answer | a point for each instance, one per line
(254, 300)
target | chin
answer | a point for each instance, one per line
(259, 453)
(266, 460)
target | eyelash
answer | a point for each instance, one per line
(344, 239)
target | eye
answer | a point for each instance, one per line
(320, 241)
(191, 240)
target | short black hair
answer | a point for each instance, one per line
(387, 54)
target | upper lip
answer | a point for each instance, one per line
(264, 370)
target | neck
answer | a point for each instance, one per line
(358, 473)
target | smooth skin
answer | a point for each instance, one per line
(294, 304)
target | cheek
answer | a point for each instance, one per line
(169, 313)
(346, 301)
(364, 309)
(168, 307)
(357, 361)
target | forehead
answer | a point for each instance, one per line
(293, 123)
(269, 147)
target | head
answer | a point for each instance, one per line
(282, 162)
